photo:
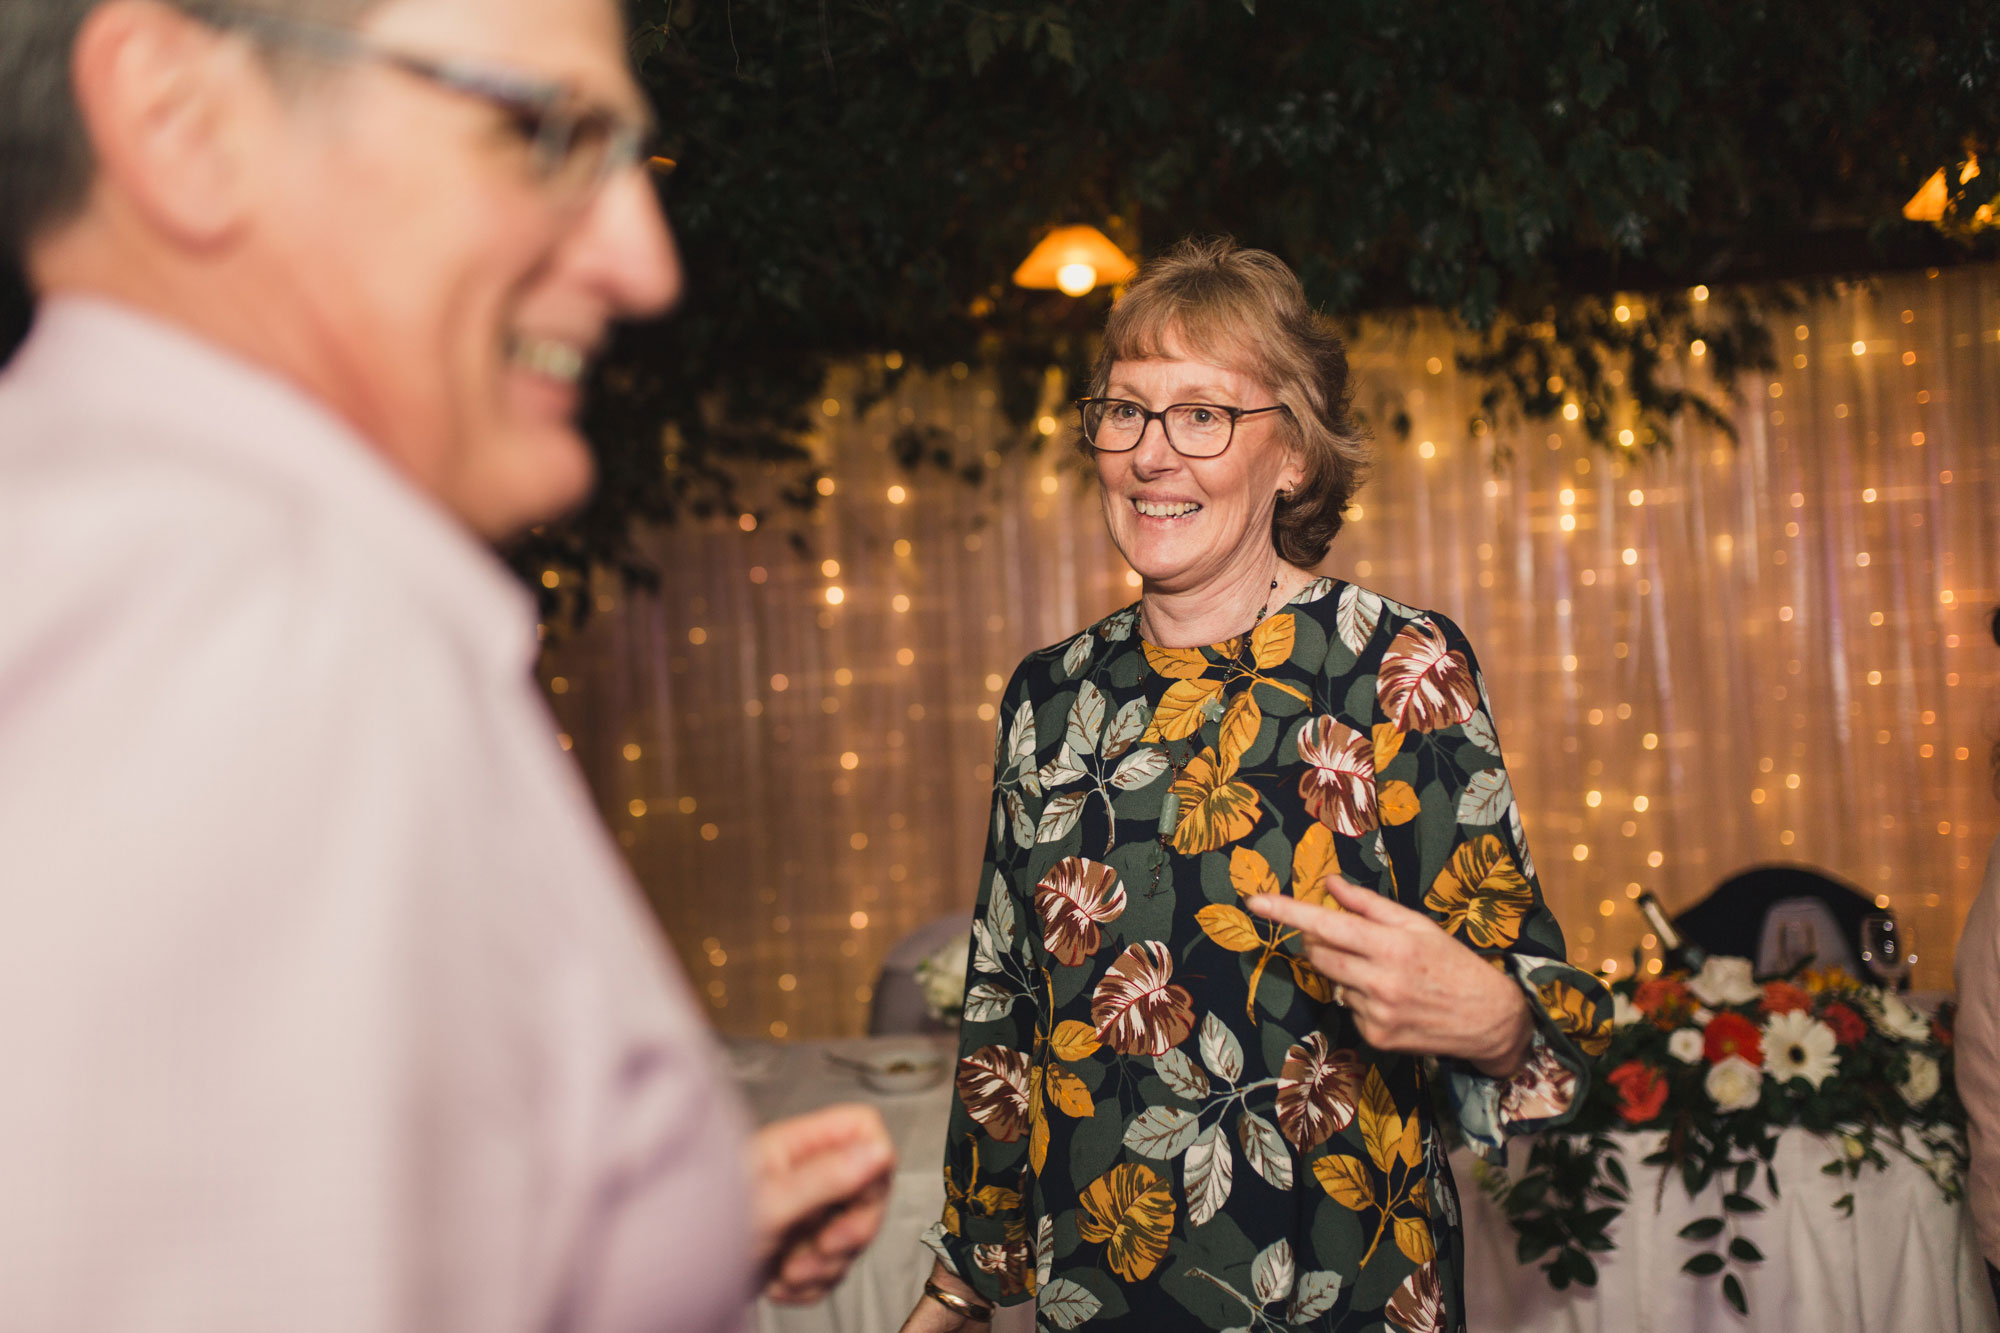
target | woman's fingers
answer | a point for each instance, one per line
(1366, 903)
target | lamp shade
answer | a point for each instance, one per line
(1927, 204)
(1074, 260)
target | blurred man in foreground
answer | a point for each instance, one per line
(324, 1002)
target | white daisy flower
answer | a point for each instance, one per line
(1797, 1045)
(1623, 1012)
(1685, 1045)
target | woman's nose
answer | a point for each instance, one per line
(1153, 455)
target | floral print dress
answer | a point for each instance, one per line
(1162, 1119)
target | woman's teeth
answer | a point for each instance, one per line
(1158, 509)
(545, 356)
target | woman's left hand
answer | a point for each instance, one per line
(1410, 986)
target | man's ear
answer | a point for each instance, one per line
(166, 101)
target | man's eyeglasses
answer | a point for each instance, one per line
(577, 145)
(1193, 430)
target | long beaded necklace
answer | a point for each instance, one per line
(1170, 806)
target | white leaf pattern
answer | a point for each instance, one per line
(1059, 816)
(1140, 767)
(986, 1002)
(1271, 1273)
(1017, 816)
(985, 956)
(1527, 862)
(1063, 768)
(1126, 727)
(1066, 1304)
(1086, 719)
(1000, 912)
(1479, 730)
(1265, 1149)
(1045, 1249)
(1162, 1132)
(1077, 657)
(1211, 1170)
(1179, 1073)
(1486, 797)
(1316, 1292)
(1021, 736)
(1355, 617)
(1220, 1050)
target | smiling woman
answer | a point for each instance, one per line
(1255, 864)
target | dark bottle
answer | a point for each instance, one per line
(1682, 955)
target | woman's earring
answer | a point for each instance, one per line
(1285, 494)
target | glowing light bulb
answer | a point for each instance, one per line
(1076, 279)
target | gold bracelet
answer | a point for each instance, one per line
(958, 1305)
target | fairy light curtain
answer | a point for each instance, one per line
(1736, 652)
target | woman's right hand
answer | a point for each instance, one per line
(931, 1316)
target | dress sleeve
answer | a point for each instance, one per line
(1456, 851)
(985, 1233)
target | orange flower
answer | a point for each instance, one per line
(1782, 997)
(1732, 1034)
(1641, 1091)
(1658, 993)
(1848, 1027)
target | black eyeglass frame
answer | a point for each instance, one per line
(550, 113)
(1235, 415)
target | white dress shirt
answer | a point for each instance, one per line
(325, 1003)
(1977, 1055)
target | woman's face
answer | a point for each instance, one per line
(1186, 524)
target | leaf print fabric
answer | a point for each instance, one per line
(1153, 1082)
(1073, 902)
(1137, 1009)
(1339, 782)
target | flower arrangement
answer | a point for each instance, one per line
(1722, 1064)
(941, 976)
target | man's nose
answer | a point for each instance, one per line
(625, 249)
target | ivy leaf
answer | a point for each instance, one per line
(1706, 1228)
(1744, 1251)
(1702, 1265)
(1732, 1291)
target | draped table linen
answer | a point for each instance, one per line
(1905, 1260)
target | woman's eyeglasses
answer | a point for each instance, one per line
(576, 144)
(1193, 430)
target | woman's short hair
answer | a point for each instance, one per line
(1245, 310)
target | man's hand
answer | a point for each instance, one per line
(1410, 986)
(820, 1185)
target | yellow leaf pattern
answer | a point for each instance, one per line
(1068, 1093)
(1313, 860)
(1346, 1179)
(1240, 723)
(1388, 744)
(1481, 894)
(1073, 1040)
(1271, 642)
(1398, 802)
(1214, 810)
(1130, 1211)
(1231, 927)
(1588, 1024)
(1176, 663)
(1413, 1238)
(1381, 1127)
(1249, 873)
(1180, 714)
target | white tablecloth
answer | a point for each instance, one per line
(1904, 1263)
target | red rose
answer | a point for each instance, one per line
(1641, 1091)
(1732, 1034)
(1848, 1027)
(1782, 997)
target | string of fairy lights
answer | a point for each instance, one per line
(1734, 652)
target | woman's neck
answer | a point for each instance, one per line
(1220, 610)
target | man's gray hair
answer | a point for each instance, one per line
(45, 158)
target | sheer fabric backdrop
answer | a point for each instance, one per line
(1730, 653)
